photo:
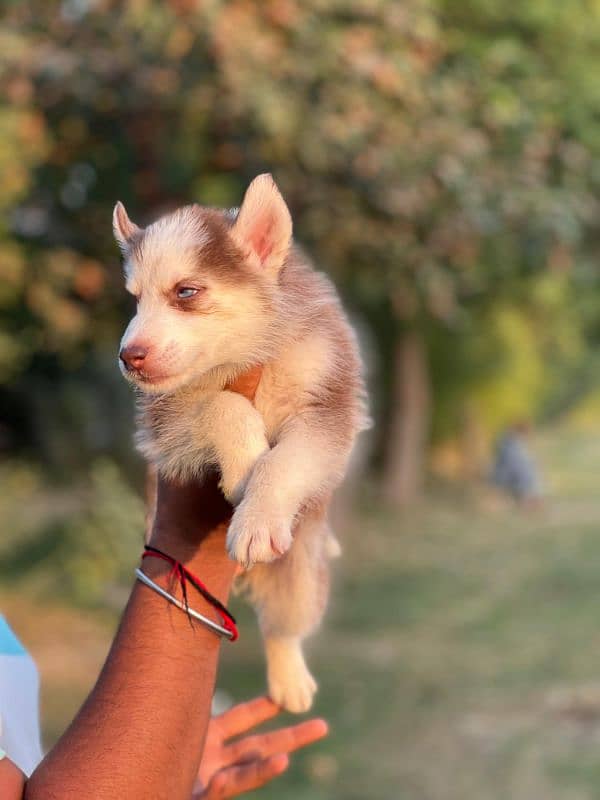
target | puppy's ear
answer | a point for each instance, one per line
(123, 228)
(263, 228)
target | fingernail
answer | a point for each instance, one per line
(281, 762)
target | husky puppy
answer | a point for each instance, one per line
(219, 292)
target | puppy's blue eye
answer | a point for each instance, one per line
(184, 292)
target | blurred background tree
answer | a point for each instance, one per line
(441, 160)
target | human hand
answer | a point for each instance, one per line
(229, 769)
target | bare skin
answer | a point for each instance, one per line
(142, 730)
(227, 769)
(231, 768)
(151, 705)
(12, 780)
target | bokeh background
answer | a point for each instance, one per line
(442, 162)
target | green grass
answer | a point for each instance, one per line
(460, 658)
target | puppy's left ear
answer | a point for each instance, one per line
(123, 228)
(263, 228)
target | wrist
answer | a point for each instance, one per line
(208, 559)
(190, 525)
(189, 591)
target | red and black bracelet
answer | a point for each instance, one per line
(184, 576)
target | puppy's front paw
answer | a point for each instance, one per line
(255, 538)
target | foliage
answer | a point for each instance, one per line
(77, 545)
(441, 160)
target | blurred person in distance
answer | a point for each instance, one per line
(515, 470)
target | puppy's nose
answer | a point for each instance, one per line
(133, 356)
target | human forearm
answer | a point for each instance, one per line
(140, 733)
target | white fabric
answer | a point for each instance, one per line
(19, 704)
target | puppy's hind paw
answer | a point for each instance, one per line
(294, 693)
(291, 685)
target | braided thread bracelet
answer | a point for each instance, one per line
(228, 628)
(214, 626)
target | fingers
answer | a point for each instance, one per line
(244, 716)
(285, 740)
(246, 777)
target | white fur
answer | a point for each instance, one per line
(123, 228)
(290, 683)
(281, 457)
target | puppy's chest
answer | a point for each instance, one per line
(179, 440)
(285, 388)
(169, 433)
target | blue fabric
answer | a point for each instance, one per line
(515, 469)
(9, 644)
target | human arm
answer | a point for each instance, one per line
(141, 731)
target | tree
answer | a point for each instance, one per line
(433, 154)
(440, 159)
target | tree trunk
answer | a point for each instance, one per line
(409, 422)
